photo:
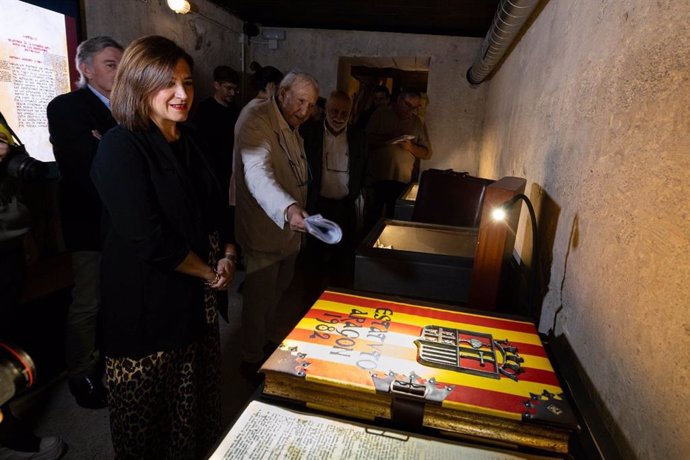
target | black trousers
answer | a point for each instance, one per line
(385, 194)
(331, 264)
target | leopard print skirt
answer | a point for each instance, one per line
(167, 405)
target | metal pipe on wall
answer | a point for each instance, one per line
(510, 16)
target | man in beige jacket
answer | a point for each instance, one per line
(272, 175)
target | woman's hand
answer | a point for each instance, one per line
(225, 268)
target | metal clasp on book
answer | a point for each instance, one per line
(409, 388)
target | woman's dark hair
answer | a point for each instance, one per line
(264, 75)
(147, 66)
(224, 74)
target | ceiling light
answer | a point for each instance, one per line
(179, 6)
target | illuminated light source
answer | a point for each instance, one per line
(179, 6)
(499, 214)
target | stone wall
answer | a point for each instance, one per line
(593, 108)
(210, 35)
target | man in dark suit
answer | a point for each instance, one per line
(76, 122)
(337, 155)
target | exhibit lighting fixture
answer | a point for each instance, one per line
(499, 214)
(179, 6)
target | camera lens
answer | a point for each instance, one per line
(22, 166)
(17, 371)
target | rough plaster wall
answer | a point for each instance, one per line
(210, 36)
(593, 108)
(456, 110)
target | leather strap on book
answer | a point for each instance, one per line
(407, 413)
(409, 395)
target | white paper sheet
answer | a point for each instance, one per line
(323, 229)
(269, 432)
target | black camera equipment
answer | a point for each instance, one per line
(18, 162)
(17, 371)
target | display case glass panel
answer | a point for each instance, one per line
(411, 237)
(425, 261)
(404, 205)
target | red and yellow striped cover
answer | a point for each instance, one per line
(346, 337)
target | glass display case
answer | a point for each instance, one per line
(419, 260)
(404, 205)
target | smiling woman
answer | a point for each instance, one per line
(163, 261)
(170, 105)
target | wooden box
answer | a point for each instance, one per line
(481, 377)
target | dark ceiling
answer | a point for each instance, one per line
(467, 18)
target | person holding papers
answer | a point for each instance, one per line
(272, 176)
(397, 140)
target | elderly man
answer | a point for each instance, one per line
(397, 140)
(272, 174)
(337, 157)
(76, 122)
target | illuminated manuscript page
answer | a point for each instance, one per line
(33, 70)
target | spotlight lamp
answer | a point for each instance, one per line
(499, 214)
(179, 6)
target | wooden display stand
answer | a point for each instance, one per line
(495, 244)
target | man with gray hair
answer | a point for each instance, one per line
(76, 122)
(337, 154)
(272, 174)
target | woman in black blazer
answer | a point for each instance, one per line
(165, 255)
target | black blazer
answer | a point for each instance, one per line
(72, 118)
(216, 126)
(155, 211)
(313, 146)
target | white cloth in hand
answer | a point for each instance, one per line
(323, 229)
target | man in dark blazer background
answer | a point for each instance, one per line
(76, 122)
(337, 154)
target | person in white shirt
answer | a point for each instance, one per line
(337, 153)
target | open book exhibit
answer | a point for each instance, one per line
(475, 375)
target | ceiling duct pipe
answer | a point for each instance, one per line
(510, 16)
